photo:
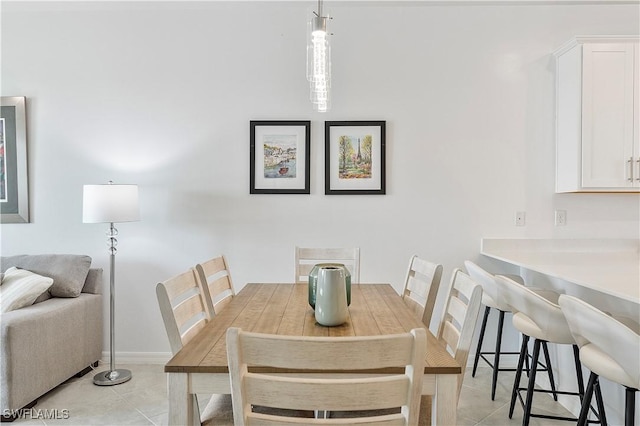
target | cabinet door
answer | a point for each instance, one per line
(607, 116)
(636, 115)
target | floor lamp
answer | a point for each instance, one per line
(111, 203)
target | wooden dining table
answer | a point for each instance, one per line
(200, 367)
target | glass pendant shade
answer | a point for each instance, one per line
(319, 62)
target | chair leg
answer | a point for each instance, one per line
(526, 360)
(524, 353)
(496, 358)
(480, 339)
(586, 401)
(532, 383)
(547, 360)
(600, 402)
(576, 360)
(629, 406)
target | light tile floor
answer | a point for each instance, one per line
(143, 401)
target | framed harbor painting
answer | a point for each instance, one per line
(14, 188)
(280, 157)
(354, 157)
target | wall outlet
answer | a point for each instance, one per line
(520, 218)
(561, 217)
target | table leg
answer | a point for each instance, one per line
(445, 402)
(181, 406)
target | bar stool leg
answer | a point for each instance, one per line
(524, 353)
(600, 402)
(630, 406)
(547, 360)
(480, 339)
(576, 359)
(532, 383)
(586, 401)
(496, 358)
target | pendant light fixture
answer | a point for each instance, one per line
(319, 61)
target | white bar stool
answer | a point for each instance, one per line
(537, 316)
(609, 348)
(492, 299)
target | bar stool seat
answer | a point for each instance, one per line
(609, 347)
(603, 365)
(537, 316)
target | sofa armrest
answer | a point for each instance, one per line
(93, 283)
(43, 345)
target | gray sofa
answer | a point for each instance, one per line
(57, 337)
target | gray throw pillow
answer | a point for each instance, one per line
(44, 296)
(69, 271)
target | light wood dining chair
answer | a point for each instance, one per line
(214, 274)
(334, 393)
(183, 308)
(421, 287)
(307, 258)
(459, 318)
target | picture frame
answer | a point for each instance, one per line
(355, 157)
(14, 185)
(280, 157)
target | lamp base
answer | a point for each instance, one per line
(113, 377)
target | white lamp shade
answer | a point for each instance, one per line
(110, 203)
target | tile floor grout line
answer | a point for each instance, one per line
(492, 413)
(151, 422)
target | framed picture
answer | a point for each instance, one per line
(14, 188)
(280, 157)
(354, 157)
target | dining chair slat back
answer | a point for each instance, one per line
(459, 318)
(247, 351)
(306, 258)
(214, 274)
(182, 305)
(421, 287)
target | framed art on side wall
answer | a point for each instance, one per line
(280, 157)
(354, 157)
(14, 187)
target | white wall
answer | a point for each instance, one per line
(161, 94)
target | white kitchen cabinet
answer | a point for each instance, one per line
(597, 110)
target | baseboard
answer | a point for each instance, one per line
(137, 358)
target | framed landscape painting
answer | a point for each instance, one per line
(14, 188)
(355, 157)
(280, 157)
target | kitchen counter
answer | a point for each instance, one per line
(603, 272)
(611, 266)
